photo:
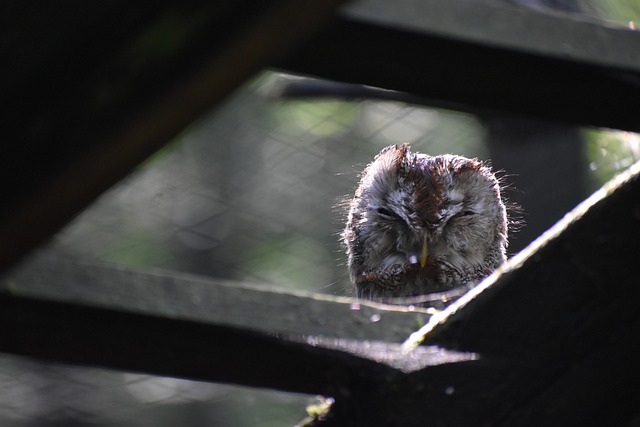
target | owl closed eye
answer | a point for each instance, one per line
(419, 224)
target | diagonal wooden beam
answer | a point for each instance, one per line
(561, 318)
(94, 91)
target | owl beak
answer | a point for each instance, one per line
(413, 259)
(423, 254)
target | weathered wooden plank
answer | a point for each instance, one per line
(182, 296)
(186, 326)
(510, 26)
(578, 278)
(476, 57)
(81, 335)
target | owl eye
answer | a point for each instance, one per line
(466, 213)
(387, 213)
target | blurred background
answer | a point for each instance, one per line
(254, 192)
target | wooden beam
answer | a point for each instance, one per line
(186, 326)
(580, 273)
(194, 298)
(475, 56)
(510, 26)
(561, 318)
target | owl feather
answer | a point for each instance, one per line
(419, 224)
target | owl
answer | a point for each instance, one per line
(419, 224)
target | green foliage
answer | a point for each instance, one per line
(616, 10)
(314, 117)
(139, 250)
(610, 152)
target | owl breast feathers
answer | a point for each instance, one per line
(419, 224)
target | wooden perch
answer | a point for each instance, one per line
(158, 322)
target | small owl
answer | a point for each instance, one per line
(419, 224)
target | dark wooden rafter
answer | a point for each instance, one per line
(479, 56)
(565, 313)
(94, 91)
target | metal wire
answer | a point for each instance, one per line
(253, 193)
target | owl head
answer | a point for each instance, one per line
(419, 224)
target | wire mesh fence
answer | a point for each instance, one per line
(251, 193)
(38, 394)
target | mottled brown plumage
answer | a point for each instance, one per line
(419, 224)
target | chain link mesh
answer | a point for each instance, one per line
(253, 192)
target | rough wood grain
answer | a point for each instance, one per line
(258, 308)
